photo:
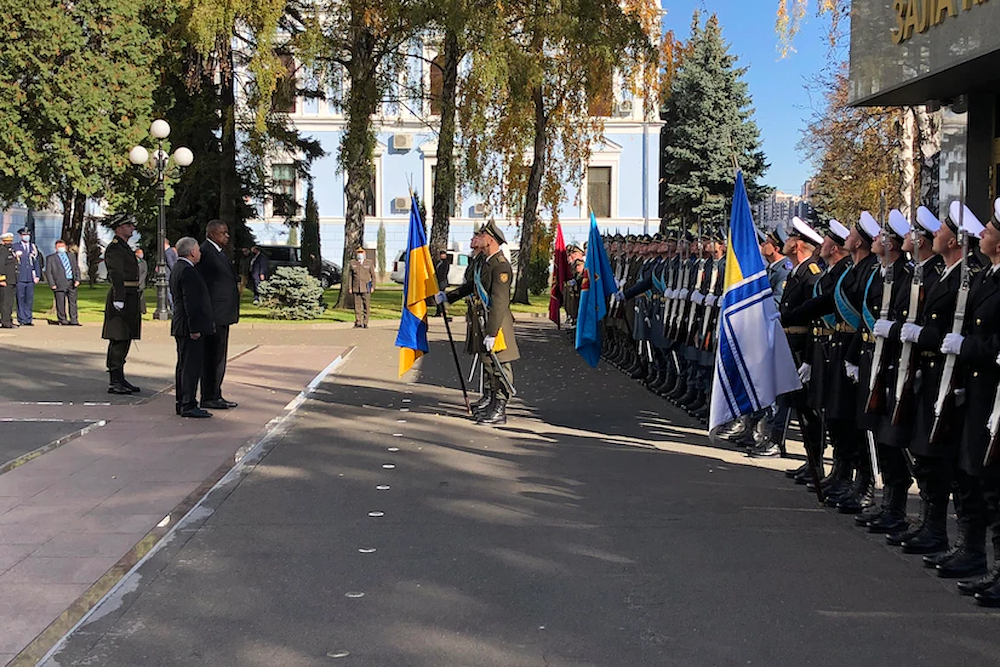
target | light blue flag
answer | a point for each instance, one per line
(598, 285)
(753, 364)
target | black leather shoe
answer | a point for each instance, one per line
(131, 387)
(217, 404)
(933, 560)
(990, 597)
(765, 449)
(801, 470)
(888, 523)
(927, 541)
(196, 413)
(119, 389)
(869, 516)
(231, 404)
(979, 585)
(964, 564)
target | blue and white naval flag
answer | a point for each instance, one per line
(753, 363)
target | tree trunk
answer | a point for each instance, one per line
(229, 178)
(904, 160)
(357, 145)
(444, 178)
(531, 198)
(929, 141)
(66, 198)
(76, 227)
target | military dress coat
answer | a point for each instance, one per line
(472, 331)
(799, 287)
(123, 274)
(980, 373)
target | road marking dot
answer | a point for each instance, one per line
(388, 466)
(354, 594)
(382, 487)
(404, 409)
(338, 654)
(400, 421)
(366, 551)
(376, 514)
(394, 449)
(397, 435)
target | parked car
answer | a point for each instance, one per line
(456, 272)
(286, 255)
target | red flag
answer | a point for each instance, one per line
(560, 274)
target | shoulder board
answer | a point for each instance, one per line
(814, 269)
(115, 240)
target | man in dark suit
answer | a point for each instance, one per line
(62, 272)
(192, 323)
(258, 271)
(8, 278)
(224, 291)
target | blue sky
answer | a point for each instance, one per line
(776, 85)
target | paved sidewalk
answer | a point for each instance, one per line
(597, 528)
(73, 520)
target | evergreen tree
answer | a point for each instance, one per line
(310, 227)
(709, 121)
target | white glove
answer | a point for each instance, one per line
(853, 372)
(119, 305)
(620, 282)
(910, 333)
(711, 300)
(440, 298)
(618, 296)
(683, 294)
(489, 342)
(572, 282)
(698, 298)
(805, 372)
(952, 344)
(882, 328)
(998, 360)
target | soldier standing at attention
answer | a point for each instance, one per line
(121, 310)
(8, 276)
(362, 284)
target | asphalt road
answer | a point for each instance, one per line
(564, 539)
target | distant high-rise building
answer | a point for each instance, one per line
(776, 209)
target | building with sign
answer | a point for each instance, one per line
(945, 54)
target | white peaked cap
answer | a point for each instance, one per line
(839, 230)
(996, 209)
(800, 228)
(927, 220)
(898, 223)
(869, 225)
(969, 220)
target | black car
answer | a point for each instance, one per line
(286, 255)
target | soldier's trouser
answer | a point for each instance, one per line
(493, 376)
(810, 422)
(934, 477)
(25, 300)
(847, 440)
(969, 502)
(117, 352)
(892, 461)
(362, 306)
(6, 305)
(991, 497)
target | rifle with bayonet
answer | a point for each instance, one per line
(680, 304)
(705, 340)
(993, 425)
(692, 312)
(680, 279)
(876, 382)
(906, 374)
(946, 405)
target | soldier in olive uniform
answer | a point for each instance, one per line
(8, 277)
(361, 282)
(491, 294)
(122, 320)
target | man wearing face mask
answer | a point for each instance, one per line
(8, 274)
(29, 271)
(122, 322)
(62, 273)
(140, 257)
(361, 283)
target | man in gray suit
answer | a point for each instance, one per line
(62, 272)
(140, 256)
(361, 283)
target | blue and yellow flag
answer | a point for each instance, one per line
(419, 284)
(753, 364)
(598, 286)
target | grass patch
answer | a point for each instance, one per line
(386, 305)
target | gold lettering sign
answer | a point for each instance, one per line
(916, 16)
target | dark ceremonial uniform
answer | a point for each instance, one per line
(464, 291)
(192, 315)
(8, 275)
(123, 326)
(799, 288)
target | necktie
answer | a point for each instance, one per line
(65, 262)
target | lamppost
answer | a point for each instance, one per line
(156, 167)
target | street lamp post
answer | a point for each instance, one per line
(156, 167)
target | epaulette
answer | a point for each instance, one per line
(814, 269)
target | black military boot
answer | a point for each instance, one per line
(116, 384)
(933, 536)
(898, 538)
(968, 559)
(679, 387)
(988, 580)
(874, 511)
(484, 401)
(861, 494)
(836, 472)
(496, 414)
(893, 516)
(840, 486)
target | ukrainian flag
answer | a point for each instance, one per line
(598, 285)
(419, 284)
(753, 363)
